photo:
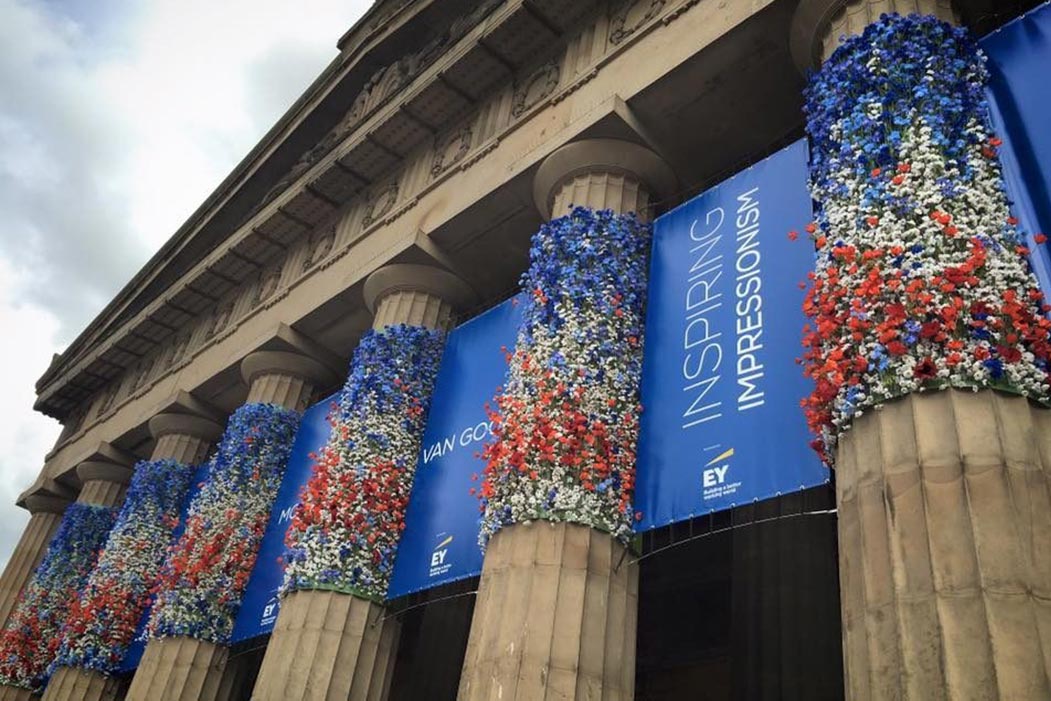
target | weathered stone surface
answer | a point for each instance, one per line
(555, 617)
(326, 646)
(945, 548)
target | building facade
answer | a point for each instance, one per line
(403, 190)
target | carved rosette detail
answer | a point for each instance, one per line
(630, 16)
(383, 84)
(380, 203)
(269, 280)
(177, 351)
(538, 85)
(319, 246)
(451, 150)
(220, 320)
(142, 375)
(107, 400)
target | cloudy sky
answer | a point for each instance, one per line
(117, 118)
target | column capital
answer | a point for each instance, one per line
(104, 471)
(407, 277)
(46, 495)
(269, 362)
(185, 424)
(814, 21)
(605, 156)
(417, 295)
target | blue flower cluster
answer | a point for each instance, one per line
(32, 634)
(345, 531)
(931, 76)
(588, 261)
(565, 435)
(204, 578)
(103, 623)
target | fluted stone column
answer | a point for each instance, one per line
(182, 437)
(944, 502)
(557, 604)
(46, 513)
(104, 480)
(183, 668)
(103, 483)
(945, 548)
(332, 645)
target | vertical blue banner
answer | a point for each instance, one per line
(721, 423)
(260, 604)
(1019, 60)
(440, 542)
(138, 644)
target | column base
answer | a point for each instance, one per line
(945, 549)
(182, 669)
(555, 617)
(75, 684)
(328, 645)
(14, 693)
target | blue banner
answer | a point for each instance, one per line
(440, 542)
(1019, 56)
(260, 603)
(721, 423)
(138, 644)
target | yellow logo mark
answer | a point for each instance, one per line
(448, 540)
(719, 458)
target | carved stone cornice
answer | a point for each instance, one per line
(508, 145)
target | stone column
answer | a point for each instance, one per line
(46, 512)
(819, 25)
(182, 437)
(103, 483)
(944, 504)
(183, 668)
(556, 610)
(104, 478)
(334, 645)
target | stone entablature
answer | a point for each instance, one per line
(234, 315)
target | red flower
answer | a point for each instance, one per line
(925, 369)
(1040, 238)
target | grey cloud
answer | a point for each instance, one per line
(57, 221)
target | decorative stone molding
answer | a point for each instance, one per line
(587, 166)
(539, 84)
(269, 281)
(319, 246)
(380, 203)
(631, 15)
(451, 150)
(818, 24)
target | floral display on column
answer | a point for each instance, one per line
(102, 622)
(921, 277)
(204, 578)
(31, 637)
(345, 531)
(567, 420)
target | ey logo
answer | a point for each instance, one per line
(714, 473)
(440, 551)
